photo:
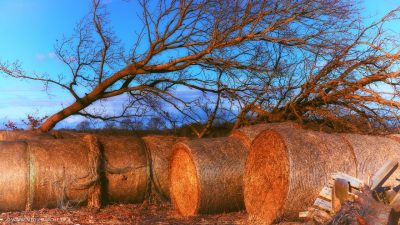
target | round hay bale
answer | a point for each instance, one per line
(206, 176)
(125, 168)
(63, 173)
(372, 152)
(286, 168)
(126, 175)
(14, 179)
(16, 135)
(160, 150)
(249, 133)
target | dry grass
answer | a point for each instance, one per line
(143, 214)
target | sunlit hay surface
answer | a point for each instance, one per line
(126, 169)
(62, 173)
(249, 133)
(14, 179)
(16, 135)
(287, 168)
(160, 150)
(371, 152)
(184, 181)
(219, 167)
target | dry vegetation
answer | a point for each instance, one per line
(146, 213)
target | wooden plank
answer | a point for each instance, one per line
(381, 176)
(305, 214)
(354, 182)
(326, 193)
(323, 204)
(340, 193)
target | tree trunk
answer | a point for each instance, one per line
(52, 121)
(93, 96)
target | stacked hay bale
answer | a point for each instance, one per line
(49, 173)
(249, 133)
(126, 176)
(371, 152)
(125, 167)
(15, 135)
(206, 175)
(159, 149)
(14, 176)
(287, 167)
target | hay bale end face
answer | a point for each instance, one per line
(14, 179)
(249, 133)
(287, 167)
(160, 150)
(45, 174)
(206, 176)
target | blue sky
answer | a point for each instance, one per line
(29, 28)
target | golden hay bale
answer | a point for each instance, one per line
(16, 135)
(249, 133)
(286, 168)
(63, 173)
(125, 169)
(127, 174)
(206, 176)
(48, 174)
(14, 179)
(371, 153)
(160, 149)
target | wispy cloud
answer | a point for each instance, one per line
(41, 57)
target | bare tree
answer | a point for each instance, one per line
(353, 87)
(241, 38)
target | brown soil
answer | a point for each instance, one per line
(119, 214)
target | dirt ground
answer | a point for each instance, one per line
(118, 214)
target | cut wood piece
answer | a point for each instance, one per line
(305, 214)
(354, 182)
(326, 193)
(323, 204)
(340, 193)
(380, 177)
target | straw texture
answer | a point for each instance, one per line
(14, 179)
(287, 167)
(126, 171)
(160, 150)
(249, 133)
(16, 135)
(207, 176)
(371, 153)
